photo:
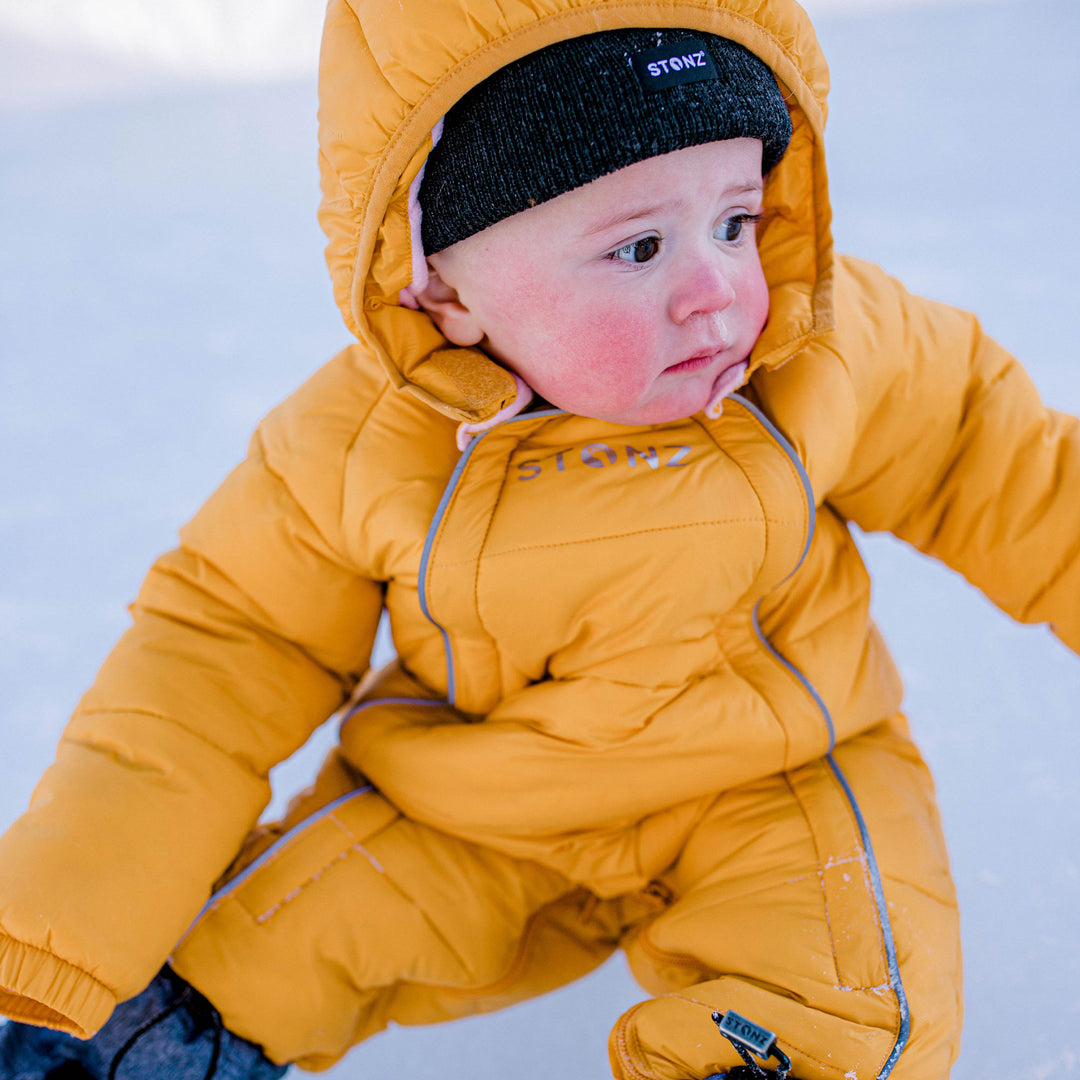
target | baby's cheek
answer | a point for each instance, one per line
(617, 345)
(753, 293)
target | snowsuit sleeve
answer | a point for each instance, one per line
(951, 449)
(244, 639)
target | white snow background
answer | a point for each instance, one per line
(162, 286)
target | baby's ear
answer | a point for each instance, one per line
(451, 316)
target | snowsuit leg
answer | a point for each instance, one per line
(777, 914)
(426, 927)
(817, 903)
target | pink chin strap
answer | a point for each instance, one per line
(715, 406)
(729, 381)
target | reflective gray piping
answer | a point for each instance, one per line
(275, 847)
(808, 490)
(807, 684)
(889, 942)
(433, 528)
(871, 867)
(390, 701)
(429, 541)
(895, 982)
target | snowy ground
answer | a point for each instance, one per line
(161, 286)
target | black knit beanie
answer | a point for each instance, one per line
(580, 109)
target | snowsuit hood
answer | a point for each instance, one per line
(388, 75)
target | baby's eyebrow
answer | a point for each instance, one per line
(750, 187)
(621, 217)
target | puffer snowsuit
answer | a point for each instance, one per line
(639, 700)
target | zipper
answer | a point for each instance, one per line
(888, 941)
(433, 529)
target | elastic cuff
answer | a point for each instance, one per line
(41, 989)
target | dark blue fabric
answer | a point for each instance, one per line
(175, 1045)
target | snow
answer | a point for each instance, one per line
(230, 39)
(234, 39)
(161, 286)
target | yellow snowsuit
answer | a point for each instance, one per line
(639, 700)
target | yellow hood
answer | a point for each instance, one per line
(390, 71)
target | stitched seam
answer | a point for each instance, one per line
(275, 858)
(624, 536)
(806, 689)
(476, 576)
(302, 830)
(265, 916)
(810, 508)
(637, 1046)
(711, 436)
(821, 876)
(356, 846)
(625, 1035)
(798, 470)
(765, 549)
(655, 952)
(897, 1021)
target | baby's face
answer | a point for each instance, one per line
(634, 299)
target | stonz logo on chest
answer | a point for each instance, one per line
(600, 455)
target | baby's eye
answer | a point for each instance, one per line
(731, 229)
(640, 251)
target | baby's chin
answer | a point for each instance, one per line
(652, 413)
(705, 397)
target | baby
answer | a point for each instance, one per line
(614, 403)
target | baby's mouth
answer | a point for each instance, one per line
(693, 363)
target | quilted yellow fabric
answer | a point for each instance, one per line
(639, 700)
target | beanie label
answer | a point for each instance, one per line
(672, 65)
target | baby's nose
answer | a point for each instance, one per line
(705, 290)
